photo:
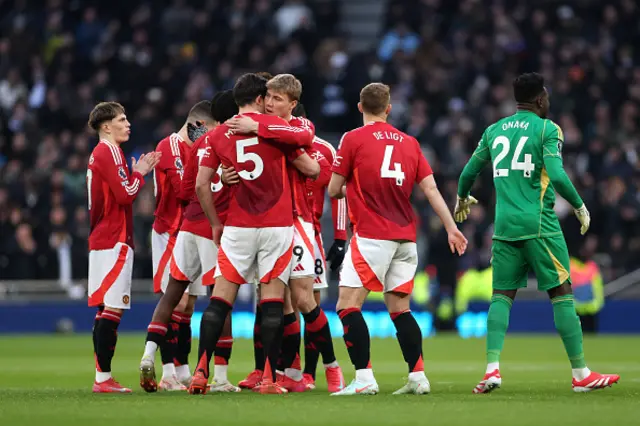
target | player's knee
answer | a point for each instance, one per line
(216, 312)
(271, 317)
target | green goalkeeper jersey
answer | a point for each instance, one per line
(525, 152)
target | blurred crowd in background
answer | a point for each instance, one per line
(450, 65)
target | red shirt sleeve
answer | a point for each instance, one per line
(115, 172)
(172, 163)
(338, 207)
(293, 156)
(343, 162)
(424, 168)
(208, 157)
(339, 215)
(325, 170)
(279, 131)
(188, 183)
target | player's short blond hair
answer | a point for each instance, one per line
(104, 111)
(375, 97)
(286, 84)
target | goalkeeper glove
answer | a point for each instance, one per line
(463, 208)
(584, 217)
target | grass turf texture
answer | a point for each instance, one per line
(46, 380)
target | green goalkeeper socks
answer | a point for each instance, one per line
(497, 324)
(568, 325)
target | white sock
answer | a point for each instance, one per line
(580, 373)
(220, 373)
(332, 365)
(168, 370)
(150, 349)
(293, 373)
(492, 366)
(417, 376)
(102, 377)
(183, 372)
(365, 375)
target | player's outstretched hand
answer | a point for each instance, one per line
(584, 217)
(217, 234)
(457, 242)
(463, 208)
(229, 176)
(336, 254)
(146, 162)
(242, 124)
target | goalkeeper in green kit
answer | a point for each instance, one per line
(525, 151)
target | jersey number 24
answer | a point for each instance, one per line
(526, 166)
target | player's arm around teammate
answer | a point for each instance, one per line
(258, 230)
(111, 192)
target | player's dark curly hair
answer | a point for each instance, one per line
(248, 88)
(223, 106)
(299, 111)
(526, 87)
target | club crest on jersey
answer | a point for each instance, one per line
(122, 173)
(178, 163)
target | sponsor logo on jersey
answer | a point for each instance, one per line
(317, 156)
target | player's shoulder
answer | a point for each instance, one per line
(323, 146)
(353, 135)
(105, 152)
(302, 122)
(267, 119)
(551, 128)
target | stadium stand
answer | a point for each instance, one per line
(450, 65)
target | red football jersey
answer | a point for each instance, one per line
(381, 165)
(111, 191)
(263, 196)
(167, 178)
(301, 197)
(325, 153)
(194, 220)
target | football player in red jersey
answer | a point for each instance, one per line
(317, 190)
(258, 232)
(193, 261)
(380, 166)
(168, 216)
(283, 94)
(111, 192)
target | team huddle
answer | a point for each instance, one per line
(240, 191)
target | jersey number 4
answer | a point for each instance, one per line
(385, 169)
(526, 166)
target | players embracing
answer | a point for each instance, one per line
(258, 233)
(192, 261)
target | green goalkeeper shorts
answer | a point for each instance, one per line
(547, 257)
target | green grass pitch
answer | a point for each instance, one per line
(46, 380)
